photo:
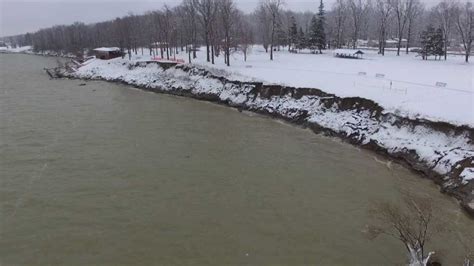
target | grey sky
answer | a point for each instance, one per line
(21, 16)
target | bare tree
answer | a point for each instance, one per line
(412, 223)
(400, 9)
(244, 35)
(358, 10)
(264, 25)
(465, 26)
(207, 10)
(188, 16)
(445, 12)
(340, 15)
(191, 17)
(207, 22)
(273, 7)
(227, 12)
(384, 10)
(414, 10)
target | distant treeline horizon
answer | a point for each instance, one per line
(222, 27)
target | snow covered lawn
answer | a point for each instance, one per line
(406, 85)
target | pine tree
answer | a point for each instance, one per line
(313, 34)
(281, 36)
(317, 30)
(302, 42)
(320, 28)
(432, 42)
(293, 33)
(438, 43)
(426, 42)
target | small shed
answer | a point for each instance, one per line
(348, 53)
(106, 53)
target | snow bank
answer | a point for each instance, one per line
(434, 148)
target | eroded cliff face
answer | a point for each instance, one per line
(441, 151)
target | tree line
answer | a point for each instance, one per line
(221, 28)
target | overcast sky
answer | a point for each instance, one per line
(21, 16)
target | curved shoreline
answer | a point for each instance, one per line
(439, 151)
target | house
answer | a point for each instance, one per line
(362, 43)
(106, 53)
(393, 43)
(348, 53)
(3, 47)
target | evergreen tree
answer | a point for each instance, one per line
(293, 33)
(438, 43)
(317, 30)
(426, 42)
(281, 36)
(320, 28)
(302, 42)
(432, 43)
(313, 34)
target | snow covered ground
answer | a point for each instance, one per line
(406, 85)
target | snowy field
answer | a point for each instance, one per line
(406, 85)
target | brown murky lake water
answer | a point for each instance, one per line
(104, 174)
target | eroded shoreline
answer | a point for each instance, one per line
(440, 151)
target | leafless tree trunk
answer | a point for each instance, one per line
(340, 11)
(358, 10)
(244, 35)
(401, 14)
(384, 10)
(465, 26)
(264, 25)
(273, 7)
(445, 12)
(207, 10)
(415, 8)
(227, 12)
